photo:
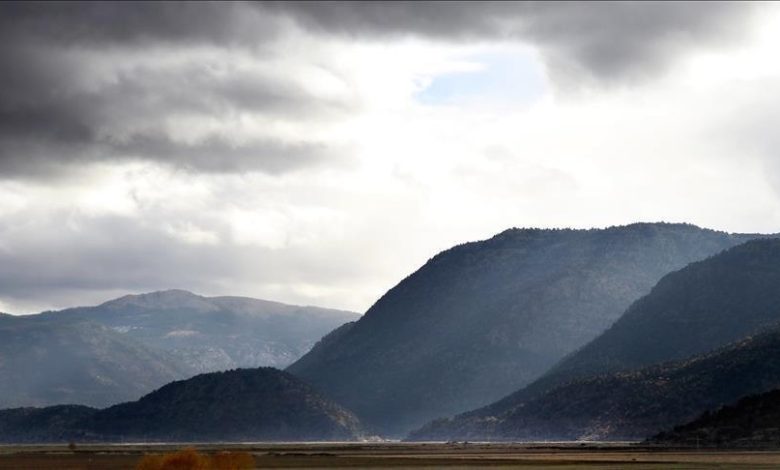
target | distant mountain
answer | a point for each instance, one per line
(49, 360)
(125, 348)
(725, 298)
(239, 405)
(753, 422)
(485, 318)
(215, 333)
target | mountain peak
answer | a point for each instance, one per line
(171, 298)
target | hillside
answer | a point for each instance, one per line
(699, 308)
(261, 404)
(752, 422)
(631, 404)
(485, 318)
(215, 333)
(50, 424)
(46, 361)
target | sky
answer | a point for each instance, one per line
(317, 153)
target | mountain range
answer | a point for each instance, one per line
(484, 319)
(704, 336)
(215, 333)
(124, 348)
(617, 333)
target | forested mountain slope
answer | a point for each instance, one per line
(704, 306)
(485, 318)
(263, 404)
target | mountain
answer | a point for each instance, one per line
(750, 423)
(50, 424)
(48, 360)
(629, 404)
(598, 390)
(482, 319)
(263, 404)
(215, 333)
(125, 348)
(697, 309)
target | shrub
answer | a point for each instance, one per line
(232, 461)
(190, 459)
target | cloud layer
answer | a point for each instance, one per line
(608, 40)
(316, 153)
(173, 83)
(107, 81)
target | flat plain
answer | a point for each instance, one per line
(397, 456)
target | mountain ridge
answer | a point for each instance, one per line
(215, 333)
(236, 405)
(703, 307)
(484, 318)
(126, 347)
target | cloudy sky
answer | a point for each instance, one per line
(317, 153)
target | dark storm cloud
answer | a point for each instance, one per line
(102, 23)
(605, 37)
(609, 40)
(51, 116)
(85, 82)
(218, 155)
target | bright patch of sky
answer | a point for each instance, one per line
(504, 78)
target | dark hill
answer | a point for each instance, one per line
(50, 424)
(753, 422)
(697, 309)
(262, 404)
(628, 405)
(485, 318)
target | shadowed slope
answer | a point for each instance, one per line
(482, 319)
(238, 405)
(697, 309)
(753, 421)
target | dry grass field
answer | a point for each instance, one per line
(395, 456)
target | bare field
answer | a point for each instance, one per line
(396, 456)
